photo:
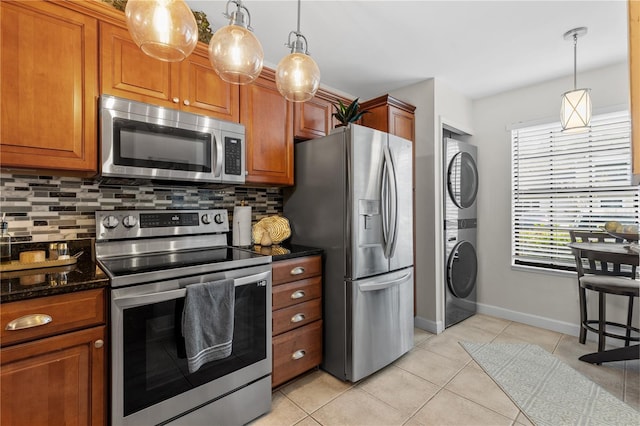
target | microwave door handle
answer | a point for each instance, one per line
(162, 296)
(217, 170)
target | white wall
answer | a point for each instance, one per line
(436, 104)
(547, 300)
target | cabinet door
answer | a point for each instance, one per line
(48, 89)
(312, 119)
(129, 73)
(202, 91)
(56, 381)
(267, 117)
(401, 123)
(390, 115)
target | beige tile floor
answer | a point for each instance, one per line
(437, 383)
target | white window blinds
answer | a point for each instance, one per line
(563, 181)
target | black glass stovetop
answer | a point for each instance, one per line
(130, 265)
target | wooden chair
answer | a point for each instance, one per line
(602, 273)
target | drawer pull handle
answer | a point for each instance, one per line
(297, 270)
(297, 294)
(298, 354)
(98, 343)
(28, 321)
(297, 318)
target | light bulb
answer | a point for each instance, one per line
(163, 29)
(297, 77)
(236, 54)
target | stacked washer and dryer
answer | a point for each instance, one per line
(460, 223)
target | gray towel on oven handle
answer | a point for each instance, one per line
(207, 322)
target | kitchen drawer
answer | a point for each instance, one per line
(285, 271)
(296, 292)
(296, 316)
(296, 352)
(69, 311)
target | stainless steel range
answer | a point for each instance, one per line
(151, 257)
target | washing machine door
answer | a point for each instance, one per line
(462, 269)
(462, 180)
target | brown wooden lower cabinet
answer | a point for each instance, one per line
(297, 317)
(56, 377)
(296, 352)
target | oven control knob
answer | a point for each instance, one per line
(206, 218)
(110, 222)
(218, 218)
(129, 221)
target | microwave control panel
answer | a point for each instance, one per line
(232, 156)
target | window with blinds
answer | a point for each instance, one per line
(563, 181)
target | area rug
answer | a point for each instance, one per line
(547, 390)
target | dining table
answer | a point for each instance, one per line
(630, 254)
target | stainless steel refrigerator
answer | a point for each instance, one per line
(353, 198)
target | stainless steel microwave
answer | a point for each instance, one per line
(143, 141)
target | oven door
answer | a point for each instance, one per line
(151, 382)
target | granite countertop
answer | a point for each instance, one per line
(286, 251)
(86, 274)
(32, 283)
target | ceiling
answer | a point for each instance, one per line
(479, 48)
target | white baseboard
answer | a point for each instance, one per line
(435, 327)
(543, 322)
(530, 319)
(571, 329)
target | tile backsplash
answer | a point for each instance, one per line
(51, 208)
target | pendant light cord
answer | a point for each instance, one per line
(298, 16)
(575, 60)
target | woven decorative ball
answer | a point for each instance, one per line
(277, 228)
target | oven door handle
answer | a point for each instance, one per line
(162, 296)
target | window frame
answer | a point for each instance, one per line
(559, 258)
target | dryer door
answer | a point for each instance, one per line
(462, 180)
(462, 269)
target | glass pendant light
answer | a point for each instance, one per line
(575, 111)
(235, 53)
(297, 74)
(163, 29)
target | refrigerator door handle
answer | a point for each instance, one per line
(392, 203)
(383, 285)
(384, 199)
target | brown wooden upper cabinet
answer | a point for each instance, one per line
(390, 115)
(314, 118)
(268, 119)
(191, 85)
(49, 87)
(634, 73)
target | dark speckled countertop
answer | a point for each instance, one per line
(86, 274)
(27, 284)
(286, 251)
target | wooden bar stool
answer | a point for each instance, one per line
(604, 273)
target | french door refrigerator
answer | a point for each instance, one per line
(353, 198)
